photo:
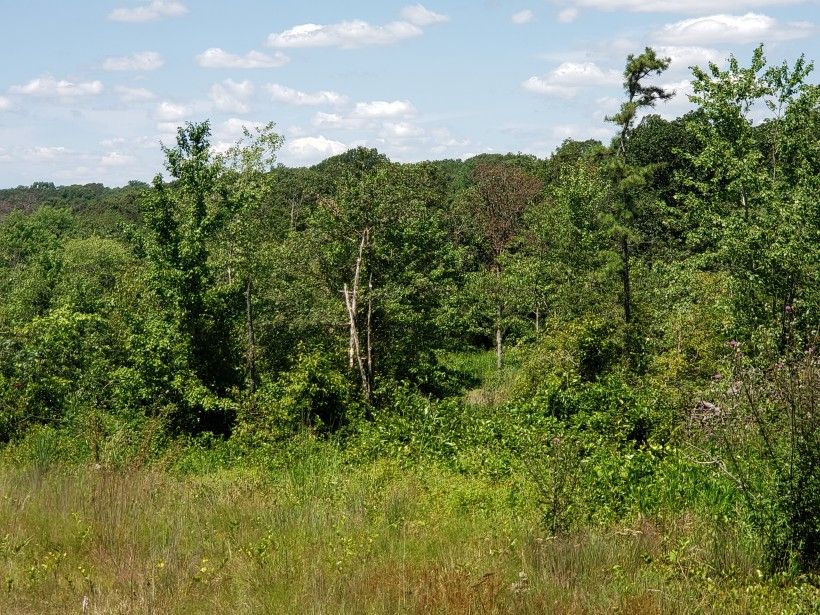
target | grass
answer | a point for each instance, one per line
(312, 534)
(495, 385)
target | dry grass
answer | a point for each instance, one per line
(321, 537)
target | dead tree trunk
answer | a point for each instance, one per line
(251, 358)
(370, 331)
(351, 297)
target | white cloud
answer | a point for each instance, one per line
(233, 128)
(347, 34)
(5, 103)
(116, 159)
(334, 120)
(721, 28)
(384, 109)
(218, 58)
(418, 15)
(568, 15)
(574, 131)
(232, 95)
(569, 77)
(44, 153)
(357, 32)
(140, 61)
(522, 17)
(400, 130)
(445, 140)
(167, 129)
(171, 112)
(684, 57)
(129, 95)
(48, 86)
(119, 142)
(156, 9)
(289, 96)
(314, 148)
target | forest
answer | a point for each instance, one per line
(509, 384)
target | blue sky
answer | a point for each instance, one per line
(90, 89)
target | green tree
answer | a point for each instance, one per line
(629, 181)
(181, 218)
(496, 203)
(756, 188)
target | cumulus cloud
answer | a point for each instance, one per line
(157, 9)
(233, 129)
(116, 159)
(5, 103)
(129, 95)
(384, 109)
(569, 77)
(574, 131)
(171, 112)
(44, 153)
(420, 16)
(50, 87)
(357, 32)
(314, 148)
(218, 58)
(141, 61)
(347, 34)
(289, 96)
(568, 15)
(400, 130)
(232, 95)
(721, 28)
(684, 57)
(522, 17)
(334, 120)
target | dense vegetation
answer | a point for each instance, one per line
(598, 369)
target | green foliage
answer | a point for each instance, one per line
(771, 444)
(311, 395)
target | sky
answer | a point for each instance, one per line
(89, 90)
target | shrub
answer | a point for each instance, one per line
(771, 442)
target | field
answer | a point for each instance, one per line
(312, 533)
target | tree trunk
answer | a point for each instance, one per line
(537, 320)
(370, 331)
(351, 300)
(251, 338)
(498, 338)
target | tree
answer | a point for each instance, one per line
(497, 201)
(756, 190)
(181, 218)
(628, 180)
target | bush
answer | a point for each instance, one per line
(771, 443)
(313, 395)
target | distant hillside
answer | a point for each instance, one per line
(102, 207)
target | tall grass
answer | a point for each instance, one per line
(315, 535)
